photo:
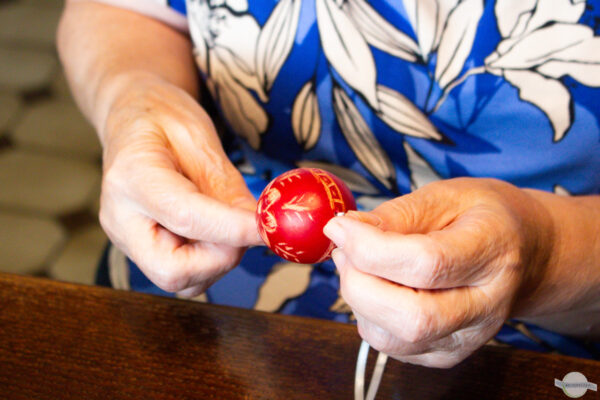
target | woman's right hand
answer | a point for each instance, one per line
(171, 199)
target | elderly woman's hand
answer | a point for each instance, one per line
(432, 276)
(171, 199)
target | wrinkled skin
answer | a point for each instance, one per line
(171, 200)
(432, 276)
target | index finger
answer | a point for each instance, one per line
(454, 256)
(174, 202)
(410, 314)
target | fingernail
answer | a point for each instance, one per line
(335, 232)
(365, 217)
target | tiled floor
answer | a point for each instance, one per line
(49, 154)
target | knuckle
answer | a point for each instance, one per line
(112, 178)
(377, 338)
(168, 279)
(445, 360)
(225, 262)
(169, 282)
(419, 330)
(180, 219)
(432, 266)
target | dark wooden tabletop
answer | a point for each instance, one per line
(65, 341)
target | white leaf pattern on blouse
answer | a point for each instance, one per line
(561, 191)
(513, 16)
(285, 281)
(276, 40)
(236, 5)
(403, 116)
(584, 69)
(545, 43)
(361, 139)
(236, 51)
(355, 181)
(540, 46)
(421, 173)
(457, 40)
(368, 203)
(428, 18)
(566, 11)
(549, 95)
(198, 21)
(306, 120)
(378, 32)
(241, 110)
(533, 15)
(228, 60)
(347, 50)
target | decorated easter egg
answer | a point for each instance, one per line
(294, 208)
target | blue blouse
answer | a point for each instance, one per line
(391, 95)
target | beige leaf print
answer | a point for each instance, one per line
(306, 120)
(421, 172)
(286, 281)
(362, 140)
(403, 116)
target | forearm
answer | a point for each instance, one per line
(564, 294)
(105, 49)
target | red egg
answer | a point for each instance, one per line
(294, 208)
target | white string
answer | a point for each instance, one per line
(377, 375)
(361, 366)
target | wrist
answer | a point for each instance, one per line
(565, 277)
(112, 93)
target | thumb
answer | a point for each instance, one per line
(427, 209)
(231, 189)
(216, 177)
(234, 191)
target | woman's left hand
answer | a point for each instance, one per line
(431, 276)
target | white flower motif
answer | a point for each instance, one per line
(428, 18)
(457, 40)
(542, 42)
(347, 28)
(378, 32)
(445, 27)
(237, 64)
(347, 50)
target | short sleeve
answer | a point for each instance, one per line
(171, 12)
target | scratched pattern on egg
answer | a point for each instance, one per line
(297, 207)
(336, 201)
